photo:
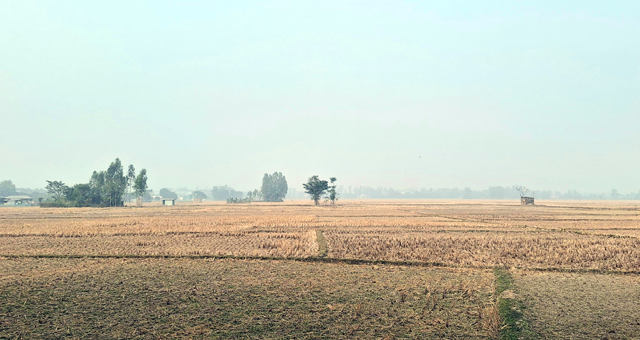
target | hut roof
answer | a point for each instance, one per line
(18, 197)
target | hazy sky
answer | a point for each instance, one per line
(378, 93)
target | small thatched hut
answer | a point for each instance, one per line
(526, 200)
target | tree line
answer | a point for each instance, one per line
(105, 188)
(493, 192)
(274, 188)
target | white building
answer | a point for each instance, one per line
(16, 200)
(168, 201)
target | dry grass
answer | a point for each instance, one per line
(143, 224)
(530, 250)
(240, 243)
(567, 235)
(581, 306)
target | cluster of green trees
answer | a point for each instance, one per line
(255, 195)
(105, 188)
(223, 193)
(274, 187)
(317, 188)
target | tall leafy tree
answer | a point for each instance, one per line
(266, 187)
(57, 189)
(115, 183)
(274, 187)
(131, 176)
(97, 180)
(140, 185)
(315, 187)
(332, 195)
(96, 183)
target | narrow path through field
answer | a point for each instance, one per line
(322, 244)
(514, 325)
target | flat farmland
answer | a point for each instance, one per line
(224, 298)
(360, 269)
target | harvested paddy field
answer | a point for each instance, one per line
(581, 306)
(167, 298)
(360, 269)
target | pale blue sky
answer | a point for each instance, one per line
(377, 93)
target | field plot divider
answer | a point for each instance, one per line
(326, 260)
(575, 231)
(322, 244)
(513, 325)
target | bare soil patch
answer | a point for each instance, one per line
(182, 298)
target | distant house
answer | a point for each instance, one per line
(527, 200)
(168, 201)
(17, 200)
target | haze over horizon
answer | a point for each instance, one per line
(382, 94)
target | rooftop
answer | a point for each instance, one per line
(17, 197)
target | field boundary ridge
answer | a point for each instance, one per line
(326, 260)
(513, 326)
